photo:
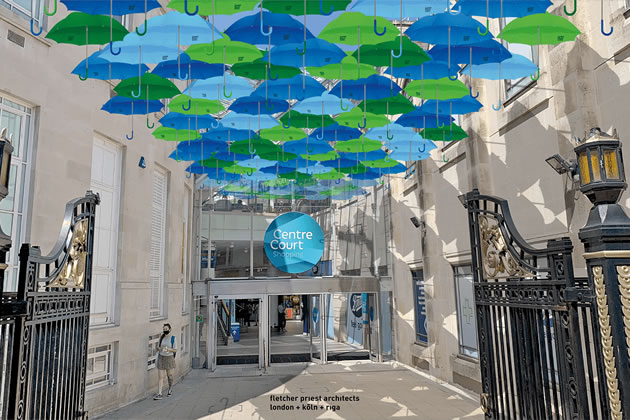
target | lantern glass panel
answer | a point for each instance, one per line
(585, 175)
(5, 169)
(596, 171)
(610, 164)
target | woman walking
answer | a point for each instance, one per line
(166, 360)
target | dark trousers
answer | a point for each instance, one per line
(282, 321)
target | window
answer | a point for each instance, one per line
(100, 366)
(158, 239)
(152, 352)
(513, 87)
(26, 9)
(17, 119)
(183, 339)
(420, 306)
(466, 317)
(106, 172)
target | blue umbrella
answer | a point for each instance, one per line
(413, 144)
(336, 132)
(256, 162)
(513, 68)
(307, 147)
(327, 104)
(258, 122)
(255, 29)
(136, 49)
(502, 8)
(420, 118)
(227, 134)
(117, 7)
(258, 176)
(187, 121)
(390, 9)
(172, 69)
(364, 183)
(369, 175)
(361, 156)
(395, 132)
(486, 51)
(210, 88)
(399, 168)
(464, 105)
(128, 106)
(102, 69)
(229, 156)
(318, 169)
(194, 150)
(291, 88)
(255, 105)
(428, 70)
(378, 87)
(319, 53)
(408, 156)
(175, 28)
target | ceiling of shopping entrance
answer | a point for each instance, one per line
(314, 99)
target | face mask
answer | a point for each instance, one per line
(166, 330)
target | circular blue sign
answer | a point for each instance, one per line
(315, 314)
(294, 242)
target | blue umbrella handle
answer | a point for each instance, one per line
(149, 126)
(297, 49)
(144, 32)
(376, 29)
(189, 105)
(486, 31)
(320, 137)
(496, 108)
(364, 124)
(225, 94)
(534, 78)
(139, 91)
(602, 29)
(54, 9)
(111, 48)
(399, 52)
(453, 78)
(275, 78)
(215, 126)
(321, 8)
(262, 29)
(42, 28)
(338, 181)
(471, 94)
(424, 147)
(129, 138)
(186, 9)
(188, 175)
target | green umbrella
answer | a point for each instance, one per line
(388, 106)
(321, 157)
(216, 163)
(306, 120)
(171, 134)
(259, 70)
(360, 145)
(354, 170)
(339, 189)
(379, 55)
(279, 133)
(313, 7)
(351, 71)
(437, 89)
(220, 7)
(329, 176)
(300, 177)
(442, 134)
(156, 87)
(277, 156)
(349, 26)
(235, 52)
(239, 170)
(237, 188)
(83, 29)
(280, 182)
(254, 146)
(198, 106)
(355, 117)
(380, 163)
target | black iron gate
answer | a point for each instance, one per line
(540, 348)
(44, 326)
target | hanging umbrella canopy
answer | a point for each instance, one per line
(207, 89)
(377, 87)
(282, 134)
(277, 156)
(371, 155)
(412, 155)
(463, 105)
(286, 29)
(306, 147)
(553, 30)
(300, 120)
(420, 118)
(254, 105)
(187, 121)
(390, 9)
(102, 69)
(388, 106)
(280, 88)
(197, 149)
(218, 7)
(356, 117)
(122, 105)
(343, 30)
(486, 51)
(397, 169)
(437, 89)
(394, 132)
(235, 120)
(176, 69)
(324, 104)
(515, 67)
(379, 55)
(321, 157)
(235, 52)
(173, 26)
(313, 7)
(227, 134)
(153, 87)
(329, 176)
(336, 132)
(137, 49)
(198, 106)
(429, 70)
(351, 70)
(386, 162)
(84, 29)
(444, 134)
(434, 29)
(116, 7)
(171, 134)
(414, 144)
(318, 53)
(260, 70)
(360, 145)
(501, 8)
(256, 163)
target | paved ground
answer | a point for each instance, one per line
(368, 391)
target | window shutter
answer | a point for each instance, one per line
(156, 254)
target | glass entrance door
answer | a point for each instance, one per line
(371, 314)
(317, 330)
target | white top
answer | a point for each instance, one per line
(280, 308)
(166, 342)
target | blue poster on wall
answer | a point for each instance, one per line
(354, 325)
